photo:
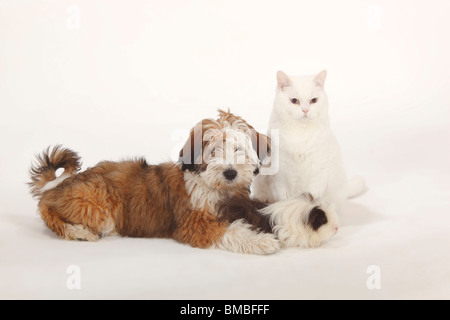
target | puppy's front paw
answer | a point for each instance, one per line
(241, 238)
(263, 243)
(80, 233)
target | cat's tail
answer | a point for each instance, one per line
(356, 187)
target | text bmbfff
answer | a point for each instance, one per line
(227, 309)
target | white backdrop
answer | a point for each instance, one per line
(114, 80)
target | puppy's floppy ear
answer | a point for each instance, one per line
(262, 144)
(192, 149)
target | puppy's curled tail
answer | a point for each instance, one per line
(43, 172)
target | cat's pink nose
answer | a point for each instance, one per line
(305, 111)
(336, 228)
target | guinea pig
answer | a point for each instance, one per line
(297, 222)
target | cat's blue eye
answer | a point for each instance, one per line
(314, 100)
(295, 101)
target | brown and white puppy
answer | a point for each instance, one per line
(170, 200)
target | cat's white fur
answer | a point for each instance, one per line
(309, 155)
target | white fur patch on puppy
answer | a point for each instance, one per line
(240, 238)
(78, 232)
(53, 184)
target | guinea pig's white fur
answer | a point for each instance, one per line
(291, 222)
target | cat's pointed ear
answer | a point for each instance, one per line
(320, 78)
(283, 80)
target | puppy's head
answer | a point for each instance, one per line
(225, 154)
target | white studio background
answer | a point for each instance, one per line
(115, 79)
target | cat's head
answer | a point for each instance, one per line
(301, 98)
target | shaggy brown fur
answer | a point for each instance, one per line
(247, 209)
(195, 145)
(131, 198)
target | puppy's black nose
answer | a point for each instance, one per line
(230, 174)
(256, 172)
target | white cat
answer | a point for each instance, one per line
(309, 158)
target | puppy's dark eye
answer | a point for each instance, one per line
(212, 151)
(314, 100)
(295, 101)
